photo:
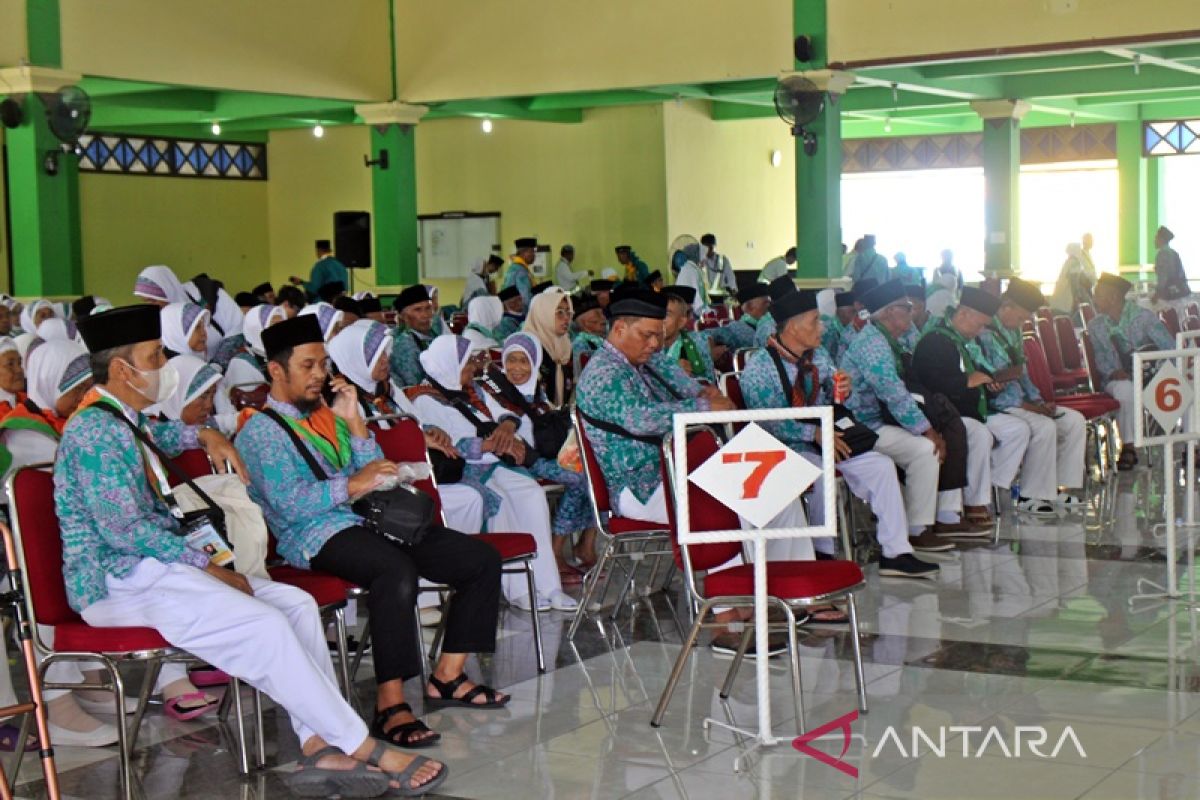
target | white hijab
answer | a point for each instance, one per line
(55, 368)
(528, 344)
(486, 312)
(257, 320)
(159, 283)
(58, 329)
(30, 311)
(6, 344)
(327, 317)
(444, 359)
(195, 377)
(179, 322)
(357, 349)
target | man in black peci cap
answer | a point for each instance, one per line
(130, 561)
(520, 269)
(412, 335)
(515, 309)
(682, 348)
(754, 300)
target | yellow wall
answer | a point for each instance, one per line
(12, 32)
(720, 180)
(310, 179)
(861, 30)
(190, 224)
(313, 48)
(453, 49)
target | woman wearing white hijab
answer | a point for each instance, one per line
(12, 377)
(194, 399)
(248, 369)
(328, 317)
(483, 315)
(35, 314)
(520, 359)
(225, 338)
(449, 400)
(56, 329)
(159, 285)
(361, 353)
(549, 320)
(184, 329)
(476, 284)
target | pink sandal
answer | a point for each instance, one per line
(175, 708)
(205, 677)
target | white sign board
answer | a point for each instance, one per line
(1168, 397)
(756, 475)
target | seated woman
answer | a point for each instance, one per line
(483, 315)
(329, 318)
(494, 455)
(12, 376)
(360, 353)
(32, 315)
(550, 320)
(521, 358)
(58, 328)
(247, 372)
(184, 330)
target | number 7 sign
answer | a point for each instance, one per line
(756, 475)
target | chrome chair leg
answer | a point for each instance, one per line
(152, 672)
(677, 671)
(859, 676)
(343, 648)
(239, 727)
(731, 675)
(533, 612)
(361, 649)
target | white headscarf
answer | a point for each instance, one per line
(159, 283)
(58, 329)
(30, 311)
(357, 349)
(195, 377)
(179, 322)
(6, 344)
(55, 368)
(257, 320)
(327, 316)
(528, 344)
(24, 341)
(485, 311)
(477, 267)
(444, 359)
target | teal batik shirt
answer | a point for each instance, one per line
(831, 335)
(405, 363)
(765, 330)
(303, 512)
(110, 518)
(327, 270)
(614, 391)
(1002, 348)
(584, 342)
(871, 364)
(761, 389)
(1139, 328)
(518, 275)
(699, 350)
(908, 340)
(509, 324)
(737, 335)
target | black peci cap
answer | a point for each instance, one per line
(120, 326)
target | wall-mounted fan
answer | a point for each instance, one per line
(68, 112)
(798, 102)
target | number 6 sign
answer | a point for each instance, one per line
(1167, 396)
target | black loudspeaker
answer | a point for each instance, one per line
(352, 238)
(803, 48)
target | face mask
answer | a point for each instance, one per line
(161, 383)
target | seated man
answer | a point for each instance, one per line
(835, 326)
(1120, 327)
(948, 361)
(317, 529)
(755, 300)
(590, 326)
(1054, 457)
(514, 313)
(412, 335)
(795, 370)
(777, 289)
(687, 349)
(128, 563)
(920, 317)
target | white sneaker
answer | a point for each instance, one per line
(1041, 508)
(431, 617)
(100, 737)
(1070, 502)
(561, 601)
(105, 705)
(523, 604)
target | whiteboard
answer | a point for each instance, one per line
(452, 241)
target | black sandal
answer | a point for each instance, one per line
(406, 734)
(447, 699)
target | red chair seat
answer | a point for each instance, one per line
(1069, 378)
(619, 525)
(325, 589)
(80, 637)
(510, 545)
(1090, 408)
(786, 579)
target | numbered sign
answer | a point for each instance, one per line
(756, 475)
(1168, 396)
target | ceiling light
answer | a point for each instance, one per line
(318, 131)
(487, 126)
(216, 129)
(887, 125)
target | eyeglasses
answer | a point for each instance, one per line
(562, 313)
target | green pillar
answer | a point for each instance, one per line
(1131, 193)
(394, 192)
(1002, 176)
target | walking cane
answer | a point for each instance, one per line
(15, 598)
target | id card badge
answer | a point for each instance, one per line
(204, 539)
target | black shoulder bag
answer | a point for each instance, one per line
(484, 429)
(191, 520)
(402, 514)
(550, 427)
(857, 436)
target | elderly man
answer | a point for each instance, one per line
(564, 271)
(1120, 327)
(412, 336)
(307, 461)
(590, 328)
(845, 312)
(795, 370)
(690, 351)
(515, 308)
(718, 272)
(778, 267)
(755, 300)
(1054, 457)
(131, 560)
(520, 268)
(777, 289)
(947, 360)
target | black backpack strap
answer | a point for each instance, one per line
(498, 384)
(617, 430)
(662, 382)
(788, 389)
(309, 458)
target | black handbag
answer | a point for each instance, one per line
(402, 514)
(485, 428)
(858, 437)
(550, 427)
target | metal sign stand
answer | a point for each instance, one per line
(758, 537)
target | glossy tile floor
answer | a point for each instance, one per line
(1018, 639)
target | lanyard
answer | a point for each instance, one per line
(156, 474)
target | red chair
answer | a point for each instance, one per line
(40, 555)
(458, 323)
(404, 441)
(1043, 313)
(1086, 312)
(1062, 377)
(1191, 323)
(1170, 318)
(626, 541)
(1193, 309)
(1068, 343)
(731, 387)
(791, 585)
(708, 323)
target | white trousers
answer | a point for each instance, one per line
(915, 455)
(274, 640)
(1122, 392)
(653, 510)
(462, 507)
(980, 463)
(1055, 454)
(871, 477)
(1010, 437)
(523, 508)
